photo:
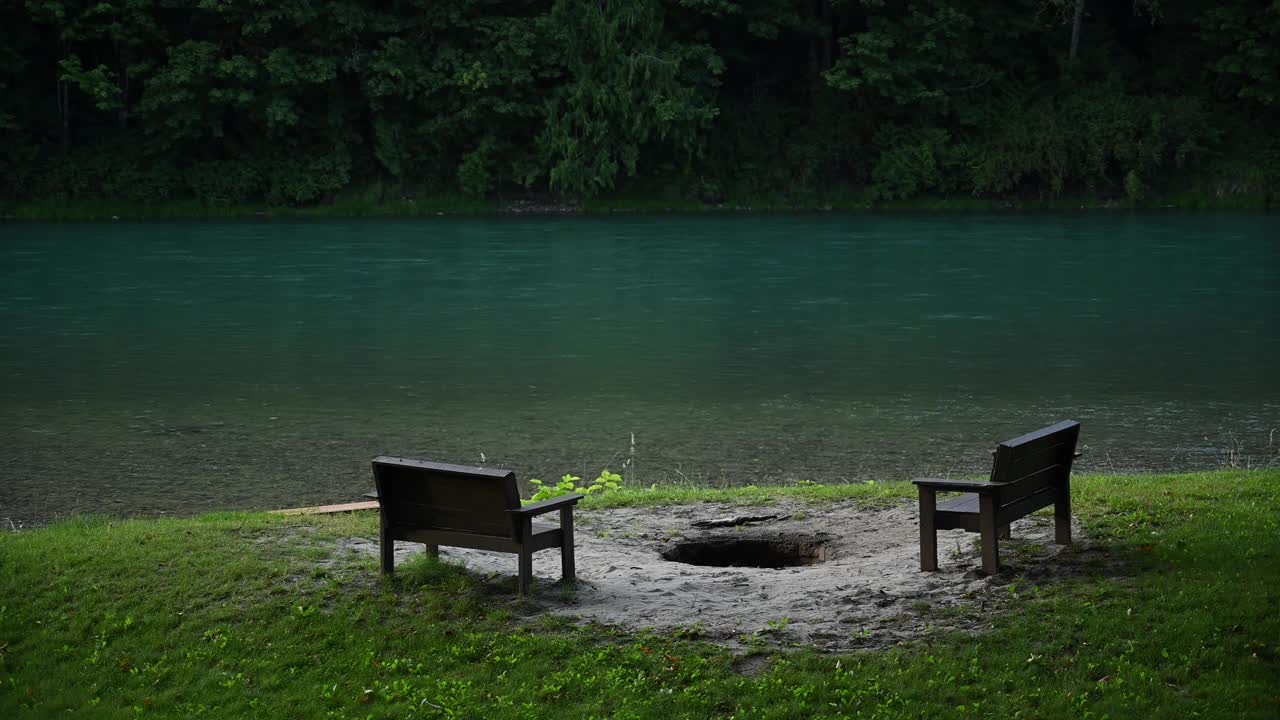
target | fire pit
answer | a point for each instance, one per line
(777, 551)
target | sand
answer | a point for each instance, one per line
(868, 592)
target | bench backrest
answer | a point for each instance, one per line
(1044, 457)
(437, 496)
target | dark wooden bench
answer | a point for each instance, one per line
(1027, 473)
(458, 506)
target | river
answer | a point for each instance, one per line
(150, 368)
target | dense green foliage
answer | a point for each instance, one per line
(267, 617)
(302, 102)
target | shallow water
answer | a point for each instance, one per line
(160, 367)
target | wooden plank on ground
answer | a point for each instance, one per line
(326, 509)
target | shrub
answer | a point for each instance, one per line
(474, 176)
(225, 182)
(912, 162)
(1089, 137)
(306, 179)
(104, 174)
(140, 183)
(1134, 188)
(569, 484)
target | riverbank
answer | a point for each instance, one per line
(362, 205)
(237, 614)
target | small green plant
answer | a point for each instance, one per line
(569, 484)
(569, 592)
(690, 632)
(776, 626)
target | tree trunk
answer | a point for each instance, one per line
(815, 43)
(122, 116)
(64, 103)
(1075, 34)
(828, 36)
(64, 111)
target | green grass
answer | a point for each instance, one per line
(253, 615)
(631, 202)
(1208, 201)
(871, 492)
(352, 206)
(372, 203)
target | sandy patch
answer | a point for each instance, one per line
(863, 589)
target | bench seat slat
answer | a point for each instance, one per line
(1047, 477)
(1025, 506)
(966, 503)
(957, 521)
(1032, 484)
(453, 517)
(440, 468)
(544, 537)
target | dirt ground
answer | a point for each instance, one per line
(864, 588)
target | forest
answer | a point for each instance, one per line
(299, 102)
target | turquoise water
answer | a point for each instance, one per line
(174, 368)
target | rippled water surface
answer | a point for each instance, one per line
(175, 368)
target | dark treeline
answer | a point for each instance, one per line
(294, 102)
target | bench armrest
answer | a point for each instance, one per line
(547, 506)
(977, 486)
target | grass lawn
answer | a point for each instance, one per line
(256, 615)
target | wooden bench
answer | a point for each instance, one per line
(1028, 473)
(458, 506)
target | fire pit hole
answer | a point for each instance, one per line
(778, 552)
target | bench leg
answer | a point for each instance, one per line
(928, 529)
(526, 570)
(387, 549)
(1062, 514)
(433, 551)
(567, 570)
(990, 534)
(1005, 532)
